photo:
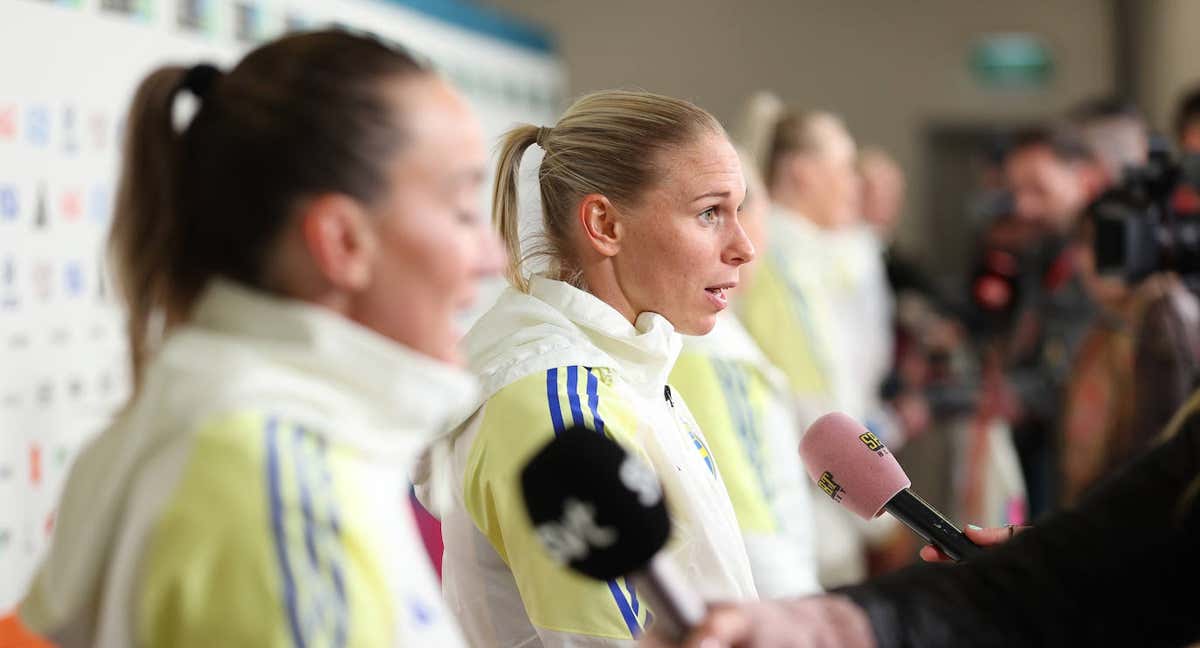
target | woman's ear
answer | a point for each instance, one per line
(598, 220)
(340, 239)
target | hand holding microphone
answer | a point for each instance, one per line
(983, 537)
(853, 467)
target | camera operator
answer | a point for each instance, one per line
(1052, 177)
(1142, 259)
(1187, 122)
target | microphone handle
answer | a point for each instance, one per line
(932, 526)
(677, 609)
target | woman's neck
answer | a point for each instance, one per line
(600, 279)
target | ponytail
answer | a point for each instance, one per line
(304, 115)
(144, 236)
(605, 143)
(505, 212)
(756, 129)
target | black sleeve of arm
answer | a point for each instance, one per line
(1118, 570)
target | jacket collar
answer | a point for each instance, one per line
(729, 340)
(392, 384)
(791, 225)
(556, 324)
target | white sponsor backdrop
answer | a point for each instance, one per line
(67, 72)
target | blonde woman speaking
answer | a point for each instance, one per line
(641, 241)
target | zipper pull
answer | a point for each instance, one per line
(667, 395)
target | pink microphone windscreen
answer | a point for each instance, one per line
(851, 465)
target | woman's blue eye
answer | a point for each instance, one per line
(709, 216)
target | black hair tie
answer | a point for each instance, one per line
(199, 79)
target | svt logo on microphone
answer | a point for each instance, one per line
(574, 535)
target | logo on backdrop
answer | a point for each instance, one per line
(70, 204)
(247, 25)
(10, 203)
(9, 298)
(8, 122)
(99, 203)
(98, 130)
(43, 280)
(70, 131)
(73, 278)
(132, 8)
(40, 218)
(37, 126)
(196, 16)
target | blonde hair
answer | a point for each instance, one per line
(606, 143)
(756, 128)
(771, 132)
(800, 133)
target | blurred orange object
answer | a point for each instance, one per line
(15, 635)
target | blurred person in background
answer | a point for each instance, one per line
(1098, 411)
(966, 464)
(640, 241)
(745, 407)
(883, 192)
(882, 203)
(808, 164)
(1052, 178)
(1116, 136)
(793, 308)
(864, 302)
(1186, 122)
(1136, 366)
(1138, 362)
(292, 261)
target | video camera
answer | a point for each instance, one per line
(1142, 226)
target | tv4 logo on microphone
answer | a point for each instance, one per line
(833, 489)
(576, 533)
(873, 443)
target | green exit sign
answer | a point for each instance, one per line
(1018, 61)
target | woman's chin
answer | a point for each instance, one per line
(700, 325)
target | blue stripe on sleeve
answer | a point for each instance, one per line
(593, 394)
(276, 502)
(556, 417)
(306, 507)
(573, 395)
(632, 595)
(331, 537)
(631, 621)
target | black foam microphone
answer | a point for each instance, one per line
(601, 512)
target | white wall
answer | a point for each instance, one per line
(1169, 52)
(68, 71)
